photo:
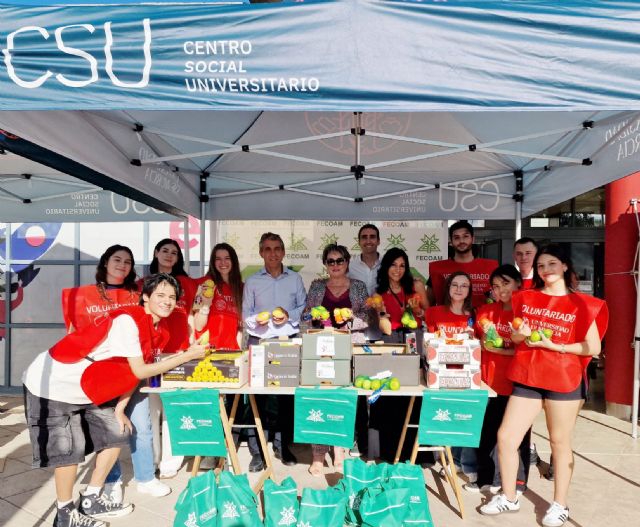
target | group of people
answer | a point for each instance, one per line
(119, 325)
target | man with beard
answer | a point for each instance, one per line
(479, 269)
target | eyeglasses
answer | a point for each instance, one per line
(460, 286)
(337, 261)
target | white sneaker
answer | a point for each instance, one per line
(556, 515)
(114, 492)
(155, 488)
(499, 504)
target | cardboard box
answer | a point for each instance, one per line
(392, 357)
(446, 378)
(315, 372)
(224, 370)
(440, 352)
(270, 355)
(326, 343)
(285, 376)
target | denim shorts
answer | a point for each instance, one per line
(63, 433)
(531, 392)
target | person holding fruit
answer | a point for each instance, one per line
(219, 300)
(400, 294)
(549, 372)
(272, 304)
(344, 299)
(66, 397)
(493, 327)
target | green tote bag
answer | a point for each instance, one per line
(281, 506)
(452, 417)
(196, 505)
(325, 416)
(194, 422)
(322, 508)
(237, 504)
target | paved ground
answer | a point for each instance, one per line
(605, 489)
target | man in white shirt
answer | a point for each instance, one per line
(524, 253)
(365, 267)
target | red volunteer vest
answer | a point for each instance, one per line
(493, 365)
(223, 320)
(107, 379)
(177, 323)
(84, 306)
(441, 318)
(569, 317)
(479, 269)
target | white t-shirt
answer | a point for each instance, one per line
(358, 270)
(50, 379)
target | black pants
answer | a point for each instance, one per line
(488, 467)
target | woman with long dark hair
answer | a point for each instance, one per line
(168, 258)
(556, 331)
(456, 314)
(399, 292)
(493, 326)
(221, 313)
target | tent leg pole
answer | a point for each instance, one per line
(518, 230)
(636, 343)
(202, 238)
(187, 251)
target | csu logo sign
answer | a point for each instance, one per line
(13, 51)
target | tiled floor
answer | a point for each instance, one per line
(605, 489)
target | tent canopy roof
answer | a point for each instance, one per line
(457, 99)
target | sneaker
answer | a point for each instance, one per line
(113, 491)
(154, 487)
(355, 451)
(556, 515)
(68, 516)
(499, 504)
(256, 464)
(472, 487)
(101, 507)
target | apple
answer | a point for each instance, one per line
(498, 342)
(366, 384)
(517, 322)
(394, 383)
(375, 384)
(547, 332)
(359, 381)
(535, 337)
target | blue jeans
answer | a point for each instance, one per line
(466, 458)
(140, 442)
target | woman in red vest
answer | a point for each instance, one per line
(115, 287)
(556, 331)
(493, 326)
(221, 313)
(167, 258)
(456, 314)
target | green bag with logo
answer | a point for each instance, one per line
(196, 504)
(411, 477)
(281, 506)
(325, 416)
(452, 417)
(386, 508)
(358, 476)
(237, 504)
(322, 508)
(194, 422)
